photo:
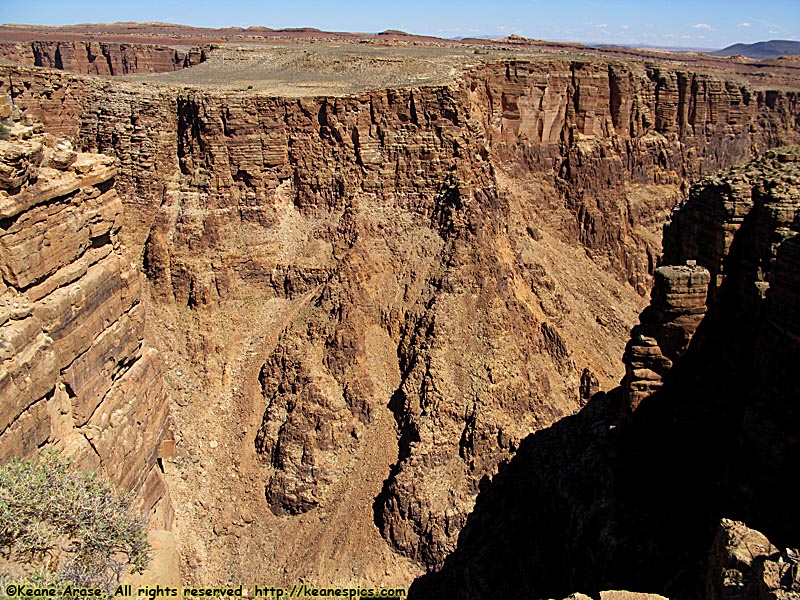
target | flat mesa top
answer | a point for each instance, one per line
(308, 62)
(323, 68)
(334, 69)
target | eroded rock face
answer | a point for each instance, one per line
(102, 58)
(624, 141)
(74, 372)
(416, 282)
(710, 428)
(677, 306)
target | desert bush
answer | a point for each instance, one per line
(59, 525)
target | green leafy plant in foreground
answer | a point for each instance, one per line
(59, 525)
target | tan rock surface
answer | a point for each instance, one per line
(386, 286)
(744, 564)
(625, 595)
(75, 374)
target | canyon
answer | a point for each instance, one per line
(375, 318)
(633, 490)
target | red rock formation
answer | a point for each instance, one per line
(677, 306)
(413, 279)
(600, 131)
(74, 372)
(102, 58)
(607, 130)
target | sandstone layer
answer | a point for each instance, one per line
(75, 374)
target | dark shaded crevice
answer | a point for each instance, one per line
(109, 62)
(59, 61)
(91, 444)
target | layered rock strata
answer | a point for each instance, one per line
(75, 374)
(369, 238)
(710, 428)
(103, 58)
(624, 140)
(618, 140)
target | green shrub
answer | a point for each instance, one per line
(59, 525)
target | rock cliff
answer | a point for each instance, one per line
(392, 286)
(623, 140)
(102, 58)
(628, 493)
(75, 374)
(619, 140)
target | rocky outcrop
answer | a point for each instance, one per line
(734, 224)
(744, 564)
(742, 226)
(677, 306)
(416, 283)
(74, 372)
(103, 58)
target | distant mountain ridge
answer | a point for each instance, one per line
(762, 50)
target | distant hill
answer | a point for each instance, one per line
(657, 48)
(761, 50)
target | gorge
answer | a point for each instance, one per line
(373, 314)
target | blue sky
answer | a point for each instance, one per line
(699, 23)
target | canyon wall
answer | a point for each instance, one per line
(380, 213)
(634, 491)
(75, 374)
(408, 265)
(623, 141)
(102, 58)
(619, 140)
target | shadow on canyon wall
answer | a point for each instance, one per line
(608, 500)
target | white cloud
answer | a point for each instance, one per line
(626, 26)
(602, 25)
(705, 26)
(745, 24)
